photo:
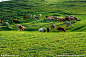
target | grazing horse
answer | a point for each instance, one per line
(36, 17)
(42, 30)
(46, 16)
(75, 18)
(39, 15)
(67, 18)
(51, 17)
(30, 15)
(0, 21)
(60, 19)
(53, 26)
(21, 19)
(48, 29)
(6, 23)
(72, 18)
(25, 16)
(55, 17)
(61, 29)
(15, 20)
(68, 24)
(20, 27)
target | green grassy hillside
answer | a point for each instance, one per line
(31, 43)
(17, 9)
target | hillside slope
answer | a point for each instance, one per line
(17, 9)
(31, 43)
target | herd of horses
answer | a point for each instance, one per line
(52, 26)
(67, 18)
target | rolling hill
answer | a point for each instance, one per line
(31, 43)
(17, 9)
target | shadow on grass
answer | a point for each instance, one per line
(53, 12)
(55, 31)
(31, 29)
(76, 1)
(51, 4)
(56, 14)
(79, 28)
(82, 1)
(60, 25)
(69, 28)
(5, 29)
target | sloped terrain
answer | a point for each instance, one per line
(17, 9)
(36, 44)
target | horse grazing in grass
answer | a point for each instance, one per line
(68, 24)
(67, 18)
(53, 26)
(61, 29)
(48, 29)
(36, 17)
(42, 30)
(39, 15)
(15, 20)
(25, 16)
(0, 21)
(60, 19)
(46, 16)
(20, 27)
(75, 18)
(30, 15)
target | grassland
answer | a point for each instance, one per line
(17, 9)
(31, 43)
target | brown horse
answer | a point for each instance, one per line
(15, 20)
(48, 29)
(61, 29)
(67, 18)
(25, 16)
(46, 16)
(20, 27)
(0, 21)
(75, 18)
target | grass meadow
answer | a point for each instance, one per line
(31, 43)
(37, 44)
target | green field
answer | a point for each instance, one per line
(31, 43)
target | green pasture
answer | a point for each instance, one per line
(37, 44)
(17, 9)
(31, 43)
